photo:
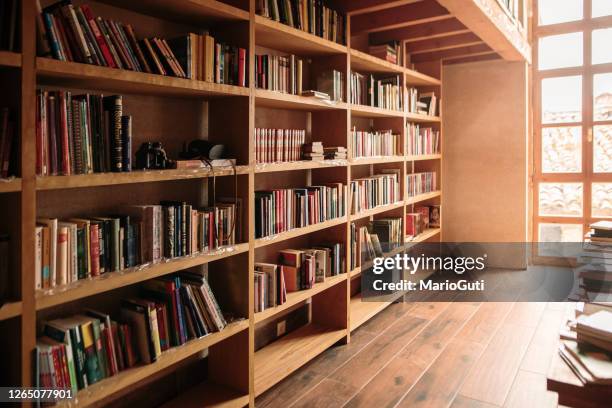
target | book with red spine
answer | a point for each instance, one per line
(94, 242)
(241, 67)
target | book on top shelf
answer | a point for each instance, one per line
(390, 52)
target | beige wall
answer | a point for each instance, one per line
(485, 155)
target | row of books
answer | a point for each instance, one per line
(81, 248)
(81, 134)
(9, 27)
(74, 34)
(422, 218)
(281, 210)
(586, 344)
(376, 143)
(78, 351)
(282, 73)
(9, 146)
(297, 269)
(374, 240)
(390, 52)
(376, 190)
(421, 141)
(312, 16)
(424, 104)
(385, 93)
(420, 183)
(279, 145)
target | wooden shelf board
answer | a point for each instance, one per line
(423, 236)
(273, 239)
(294, 298)
(10, 59)
(73, 74)
(98, 392)
(422, 197)
(421, 157)
(137, 176)
(360, 161)
(298, 165)
(363, 62)
(279, 100)
(361, 311)
(418, 78)
(282, 357)
(376, 210)
(10, 310)
(10, 185)
(112, 280)
(417, 117)
(211, 395)
(190, 11)
(364, 111)
(281, 37)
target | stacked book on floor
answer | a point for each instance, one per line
(382, 93)
(81, 134)
(376, 239)
(281, 210)
(9, 144)
(420, 183)
(595, 274)
(81, 248)
(312, 16)
(279, 145)
(424, 104)
(78, 351)
(421, 219)
(10, 16)
(377, 143)
(76, 34)
(421, 141)
(373, 191)
(297, 269)
(335, 153)
(390, 52)
(586, 343)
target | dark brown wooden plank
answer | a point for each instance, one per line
(529, 390)
(482, 326)
(438, 386)
(328, 393)
(290, 389)
(419, 32)
(409, 14)
(385, 318)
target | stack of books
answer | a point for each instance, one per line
(75, 34)
(82, 248)
(424, 104)
(596, 258)
(374, 191)
(81, 134)
(79, 351)
(378, 143)
(382, 93)
(279, 73)
(9, 28)
(421, 141)
(391, 52)
(335, 153)
(279, 145)
(420, 183)
(281, 210)
(586, 343)
(415, 224)
(297, 269)
(332, 84)
(313, 151)
(423, 218)
(311, 16)
(9, 146)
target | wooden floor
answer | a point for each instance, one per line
(438, 354)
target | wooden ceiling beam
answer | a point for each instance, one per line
(436, 44)
(452, 53)
(472, 58)
(403, 16)
(420, 32)
(355, 7)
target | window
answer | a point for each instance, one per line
(573, 121)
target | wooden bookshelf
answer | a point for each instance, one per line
(228, 114)
(10, 59)
(423, 236)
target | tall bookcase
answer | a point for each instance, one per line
(174, 111)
